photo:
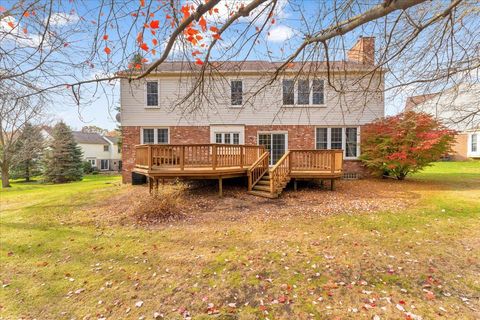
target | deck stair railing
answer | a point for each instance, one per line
(280, 173)
(258, 169)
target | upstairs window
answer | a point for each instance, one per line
(152, 93)
(304, 92)
(317, 92)
(288, 92)
(303, 96)
(106, 147)
(236, 92)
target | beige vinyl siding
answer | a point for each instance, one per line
(353, 108)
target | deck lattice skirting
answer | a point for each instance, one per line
(219, 161)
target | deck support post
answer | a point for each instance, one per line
(150, 185)
(332, 184)
(220, 187)
(294, 184)
(156, 183)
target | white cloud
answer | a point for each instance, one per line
(226, 7)
(280, 33)
(17, 34)
(62, 18)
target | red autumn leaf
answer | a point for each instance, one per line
(152, 15)
(107, 50)
(168, 16)
(273, 21)
(198, 37)
(194, 53)
(214, 29)
(216, 36)
(138, 66)
(2, 9)
(154, 41)
(25, 30)
(26, 14)
(203, 23)
(186, 11)
(154, 24)
(142, 3)
(154, 52)
(139, 37)
(144, 60)
(215, 10)
(11, 24)
(66, 44)
(133, 14)
(198, 62)
(144, 46)
(105, 37)
(257, 29)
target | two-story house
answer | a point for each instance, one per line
(311, 105)
(103, 152)
(457, 108)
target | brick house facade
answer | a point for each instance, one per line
(299, 110)
(299, 137)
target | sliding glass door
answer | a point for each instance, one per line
(275, 143)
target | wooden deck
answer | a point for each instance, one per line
(219, 161)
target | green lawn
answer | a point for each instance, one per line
(60, 261)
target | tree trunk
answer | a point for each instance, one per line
(5, 177)
(27, 171)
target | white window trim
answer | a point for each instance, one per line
(155, 134)
(108, 165)
(295, 94)
(344, 139)
(236, 106)
(273, 132)
(92, 161)
(470, 152)
(158, 93)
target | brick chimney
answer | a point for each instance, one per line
(363, 51)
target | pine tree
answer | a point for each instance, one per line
(28, 149)
(63, 160)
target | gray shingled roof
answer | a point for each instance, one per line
(88, 138)
(262, 66)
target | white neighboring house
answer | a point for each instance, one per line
(102, 152)
(457, 108)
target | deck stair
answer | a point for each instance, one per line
(262, 187)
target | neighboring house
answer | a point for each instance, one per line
(299, 110)
(457, 108)
(102, 152)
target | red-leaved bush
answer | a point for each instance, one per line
(404, 143)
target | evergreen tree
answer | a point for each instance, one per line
(28, 149)
(63, 160)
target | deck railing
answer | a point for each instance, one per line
(316, 160)
(213, 156)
